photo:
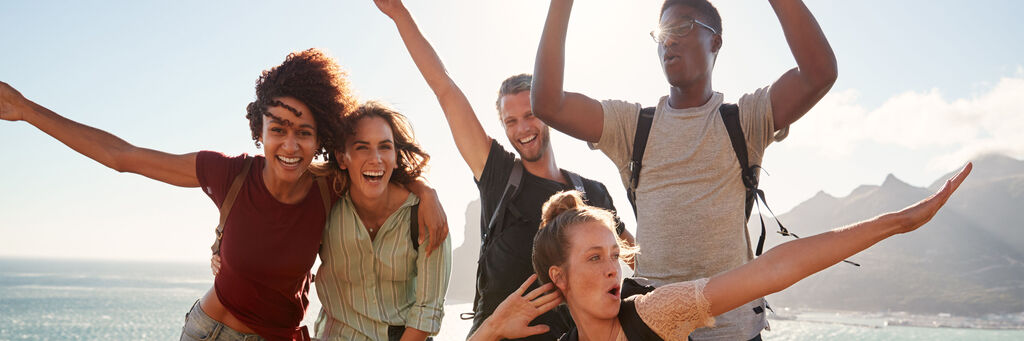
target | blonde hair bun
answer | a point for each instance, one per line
(560, 203)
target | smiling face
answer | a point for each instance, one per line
(289, 140)
(687, 60)
(590, 278)
(370, 157)
(528, 134)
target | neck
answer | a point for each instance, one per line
(373, 210)
(288, 192)
(595, 329)
(690, 96)
(545, 167)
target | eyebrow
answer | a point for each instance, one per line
(367, 142)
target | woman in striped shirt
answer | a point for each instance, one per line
(374, 282)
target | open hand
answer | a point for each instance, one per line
(511, 320)
(12, 104)
(920, 213)
(390, 8)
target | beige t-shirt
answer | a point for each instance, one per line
(691, 222)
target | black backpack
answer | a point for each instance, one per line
(488, 227)
(748, 173)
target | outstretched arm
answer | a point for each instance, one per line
(800, 88)
(470, 137)
(105, 148)
(575, 114)
(790, 262)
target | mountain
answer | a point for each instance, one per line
(968, 260)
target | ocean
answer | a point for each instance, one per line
(93, 300)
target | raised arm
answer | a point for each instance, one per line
(470, 137)
(105, 148)
(575, 114)
(800, 88)
(790, 262)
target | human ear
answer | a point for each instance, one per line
(716, 43)
(557, 277)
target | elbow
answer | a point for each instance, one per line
(826, 76)
(118, 160)
(544, 106)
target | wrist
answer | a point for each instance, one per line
(486, 332)
(400, 13)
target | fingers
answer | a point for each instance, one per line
(215, 264)
(526, 285)
(951, 185)
(550, 305)
(539, 291)
(544, 300)
(960, 177)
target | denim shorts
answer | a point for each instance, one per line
(201, 327)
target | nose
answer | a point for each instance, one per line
(376, 156)
(291, 143)
(613, 269)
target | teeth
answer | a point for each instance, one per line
(528, 139)
(289, 159)
(373, 173)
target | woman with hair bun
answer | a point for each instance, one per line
(269, 240)
(576, 254)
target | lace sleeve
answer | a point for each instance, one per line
(675, 310)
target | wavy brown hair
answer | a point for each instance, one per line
(316, 80)
(411, 159)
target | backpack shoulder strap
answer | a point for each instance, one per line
(325, 194)
(577, 182)
(515, 180)
(414, 226)
(643, 131)
(229, 201)
(731, 117)
(571, 335)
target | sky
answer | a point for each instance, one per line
(923, 87)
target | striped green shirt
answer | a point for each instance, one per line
(366, 285)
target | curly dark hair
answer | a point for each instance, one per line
(411, 162)
(704, 8)
(316, 80)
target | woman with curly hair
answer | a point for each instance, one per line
(577, 253)
(375, 281)
(278, 210)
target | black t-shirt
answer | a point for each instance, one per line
(505, 263)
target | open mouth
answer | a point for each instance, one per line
(289, 161)
(614, 291)
(528, 139)
(373, 176)
(670, 59)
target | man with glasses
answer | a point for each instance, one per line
(689, 200)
